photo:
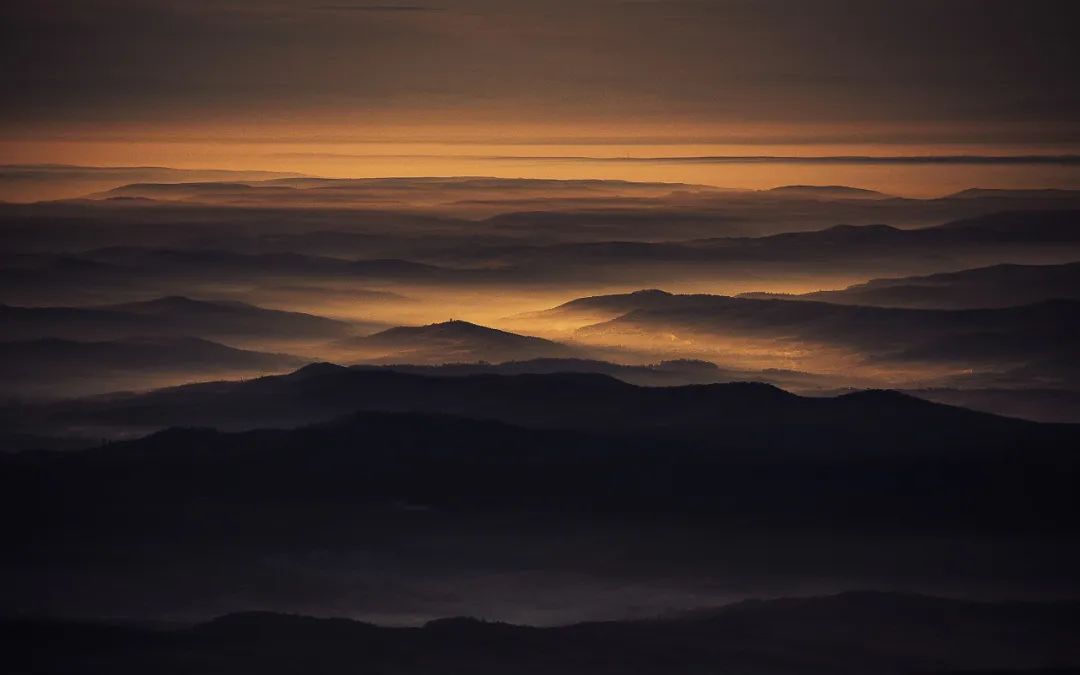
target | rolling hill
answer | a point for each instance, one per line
(166, 316)
(452, 342)
(994, 286)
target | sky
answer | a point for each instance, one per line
(467, 86)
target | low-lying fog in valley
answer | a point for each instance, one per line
(967, 297)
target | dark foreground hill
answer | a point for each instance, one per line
(850, 633)
(320, 392)
(408, 514)
(985, 472)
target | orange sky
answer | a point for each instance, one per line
(440, 89)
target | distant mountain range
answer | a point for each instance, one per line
(167, 316)
(994, 286)
(1035, 337)
(665, 373)
(828, 192)
(566, 400)
(468, 254)
(1038, 405)
(847, 634)
(31, 182)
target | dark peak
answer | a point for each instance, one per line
(450, 328)
(449, 324)
(651, 293)
(315, 370)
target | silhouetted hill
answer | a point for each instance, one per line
(995, 286)
(1039, 405)
(430, 506)
(1030, 237)
(1003, 338)
(167, 316)
(607, 306)
(54, 366)
(452, 342)
(568, 400)
(983, 193)
(828, 192)
(847, 634)
(30, 182)
(174, 265)
(1047, 225)
(665, 373)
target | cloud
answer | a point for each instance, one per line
(1054, 160)
(378, 8)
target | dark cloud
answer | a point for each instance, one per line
(1001, 68)
(378, 8)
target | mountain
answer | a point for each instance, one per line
(847, 634)
(984, 193)
(827, 192)
(52, 366)
(480, 195)
(568, 400)
(27, 182)
(665, 373)
(415, 514)
(603, 307)
(452, 342)
(489, 253)
(994, 286)
(1023, 237)
(175, 315)
(1039, 405)
(1029, 336)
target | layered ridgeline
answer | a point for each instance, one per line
(72, 351)
(524, 496)
(167, 316)
(59, 368)
(994, 286)
(177, 257)
(850, 633)
(1030, 341)
(570, 400)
